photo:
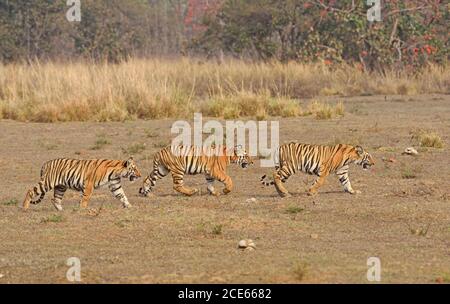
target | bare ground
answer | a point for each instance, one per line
(176, 239)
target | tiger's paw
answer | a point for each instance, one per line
(284, 194)
(226, 191)
(192, 192)
(311, 193)
(57, 205)
(354, 191)
(214, 193)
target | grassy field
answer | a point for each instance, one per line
(402, 215)
(157, 89)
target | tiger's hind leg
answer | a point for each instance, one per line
(159, 171)
(342, 173)
(87, 193)
(35, 195)
(58, 196)
(178, 183)
(317, 184)
(279, 177)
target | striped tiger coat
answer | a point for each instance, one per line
(81, 175)
(317, 160)
(191, 160)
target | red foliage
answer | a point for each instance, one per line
(196, 10)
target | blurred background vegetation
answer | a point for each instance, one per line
(411, 34)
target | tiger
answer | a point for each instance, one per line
(82, 175)
(319, 160)
(181, 160)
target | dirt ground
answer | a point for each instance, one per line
(174, 239)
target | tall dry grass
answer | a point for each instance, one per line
(50, 92)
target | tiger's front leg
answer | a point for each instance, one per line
(116, 189)
(225, 179)
(210, 180)
(345, 180)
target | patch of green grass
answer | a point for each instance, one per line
(100, 142)
(134, 149)
(217, 229)
(385, 149)
(150, 133)
(294, 210)
(11, 202)
(47, 145)
(160, 144)
(408, 173)
(123, 223)
(300, 270)
(54, 218)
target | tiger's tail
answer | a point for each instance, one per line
(265, 181)
(35, 195)
(158, 172)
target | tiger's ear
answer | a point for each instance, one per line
(129, 161)
(359, 150)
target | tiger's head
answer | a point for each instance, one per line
(363, 158)
(131, 171)
(241, 157)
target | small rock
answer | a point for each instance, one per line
(251, 200)
(314, 236)
(245, 244)
(251, 244)
(410, 151)
(1, 275)
(249, 249)
(439, 280)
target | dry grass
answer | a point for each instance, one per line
(50, 92)
(300, 270)
(322, 110)
(426, 138)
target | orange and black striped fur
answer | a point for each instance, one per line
(182, 160)
(81, 175)
(317, 160)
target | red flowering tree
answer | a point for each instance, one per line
(410, 34)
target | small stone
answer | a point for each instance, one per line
(1, 275)
(249, 249)
(251, 200)
(410, 151)
(439, 280)
(250, 243)
(314, 236)
(243, 244)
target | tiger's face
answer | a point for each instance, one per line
(364, 159)
(241, 157)
(131, 170)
